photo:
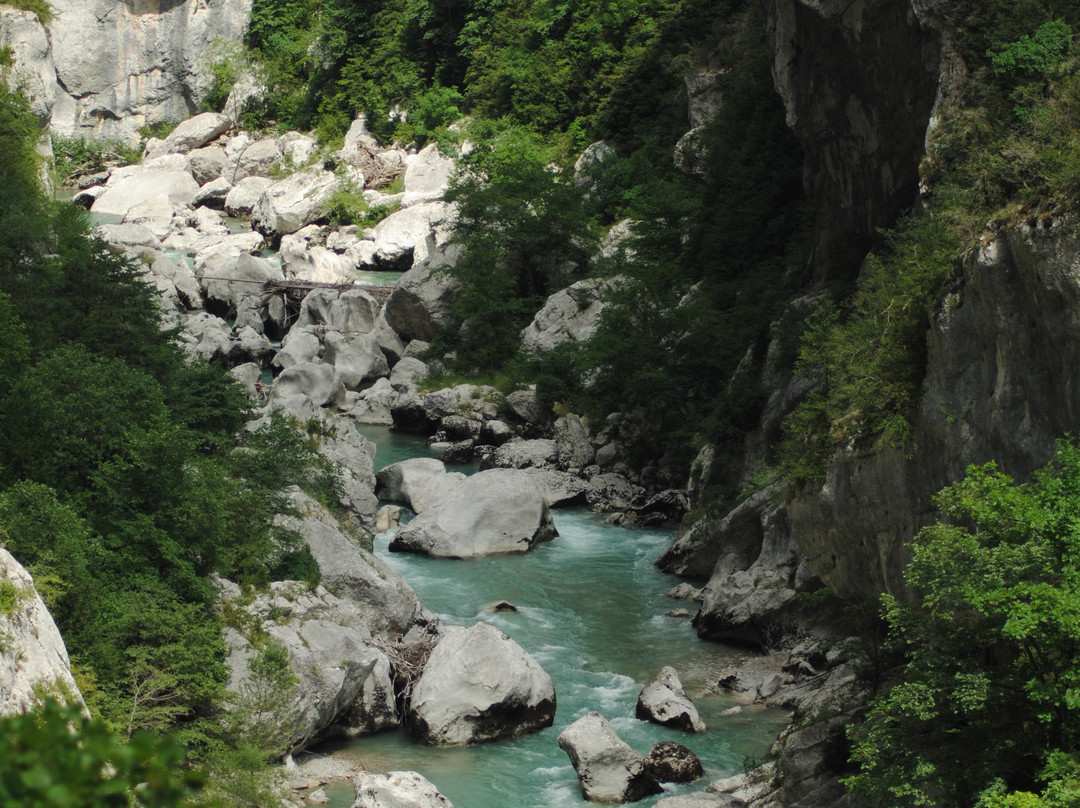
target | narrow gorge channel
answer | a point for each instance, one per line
(592, 610)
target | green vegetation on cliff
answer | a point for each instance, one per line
(986, 709)
(123, 484)
(1004, 151)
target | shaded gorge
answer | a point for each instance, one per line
(591, 608)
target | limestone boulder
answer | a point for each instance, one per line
(228, 277)
(300, 346)
(397, 790)
(572, 444)
(290, 203)
(524, 454)
(408, 237)
(611, 493)
(213, 194)
(427, 175)
(134, 185)
(495, 511)
(664, 701)
(479, 685)
(241, 198)
(316, 382)
(344, 683)
(260, 158)
(417, 482)
(191, 134)
(358, 361)
(390, 606)
(156, 214)
(372, 406)
(207, 164)
(608, 769)
(558, 487)
(406, 373)
(33, 660)
(130, 239)
(352, 312)
(569, 315)
(420, 302)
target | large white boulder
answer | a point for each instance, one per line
(33, 659)
(608, 769)
(408, 236)
(419, 305)
(358, 360)
(427, 176)
(290, 203)
(242, 197)
(397, 790)
(569, 315)
(350, 311)
(259, 159)
(494, 511)
(134, 185)
(417, 482)
(479, 685)
(190, 134)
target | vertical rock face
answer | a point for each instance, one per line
(859, 79)
(1001, 384)
(31, 54)
(33, 659)
(123, 65)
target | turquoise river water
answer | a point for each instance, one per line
(591, 610)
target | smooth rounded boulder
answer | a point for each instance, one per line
(491, 512)
(417, 482)
(479, 685)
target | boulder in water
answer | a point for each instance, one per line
(608, 769)
(664, 701)
(495, 511)
(479, 685)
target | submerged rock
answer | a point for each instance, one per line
(479, 685)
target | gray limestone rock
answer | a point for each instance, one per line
(351, 312)
(524, 454)
(664, 701)
(33, 661)
(290, 203)
(190, 134)
(495, 511)
(569, 315)
(671, 762)
(608, 769)
(427, 175)
(358, 361)
(317, 382)
(207, 164)
(417, 482)
(32, 67)
(479, 685)
(420, 302)
(397, 790)
(389, 605)
(242, 197)
(133, 185)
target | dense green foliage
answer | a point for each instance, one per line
(1005, 151)
(988, 700)
(56, 756)
(125, 481)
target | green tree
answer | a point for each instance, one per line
(524, 232)
(988, 698)
(57, 756)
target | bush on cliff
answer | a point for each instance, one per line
(987, 701)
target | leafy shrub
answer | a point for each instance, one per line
(1035, 54)
(56, 756)
(985, 702)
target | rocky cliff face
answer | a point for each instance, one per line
(33, 660)
(1000, 385)
(859, 79)
(105, 68)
